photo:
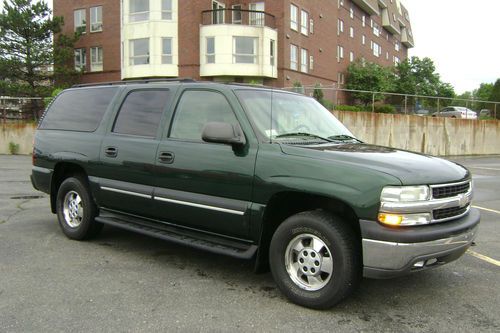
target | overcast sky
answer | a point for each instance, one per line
(462, 37)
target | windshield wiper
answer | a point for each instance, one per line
(343, 137)
(303, 134)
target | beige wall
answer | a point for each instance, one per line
(434, 136)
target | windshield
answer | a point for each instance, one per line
(294, 117)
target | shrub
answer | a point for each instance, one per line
(385, 108)
(13, 148)
(327, 104)
(353, 108)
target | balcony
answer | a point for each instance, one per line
(390, 22)
(407, 38)
(238, 43)
(369, 6)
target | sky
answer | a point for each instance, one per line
(462, 37)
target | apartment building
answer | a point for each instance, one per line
(274, 42)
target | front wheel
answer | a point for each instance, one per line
(315, 259)
(76, 210)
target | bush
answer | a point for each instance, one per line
(48, 100)
(13, 148)
(327, 104)
(385, 108)
(353, 108)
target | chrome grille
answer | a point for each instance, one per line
(445, 213)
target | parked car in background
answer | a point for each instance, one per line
(456, 112)
(422, 113)
(485, 113)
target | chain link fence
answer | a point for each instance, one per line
(20, 109)
(369, 101)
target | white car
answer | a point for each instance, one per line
(456, 112)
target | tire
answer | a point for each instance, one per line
(315, 259)
(76, 210)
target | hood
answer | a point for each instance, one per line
(411, 168)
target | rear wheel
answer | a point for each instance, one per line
(76, 210)
(315, 259)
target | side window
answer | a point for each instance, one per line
(140, 113)
(195, 109)
(78, 109)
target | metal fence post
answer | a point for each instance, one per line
(373, 102)
(406, 104)
(495, 111)
(439, 111)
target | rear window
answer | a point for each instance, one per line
(79, 109)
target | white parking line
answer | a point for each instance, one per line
(487, 209)
(483, 257)
(485, 168)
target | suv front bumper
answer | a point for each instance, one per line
(391, 252)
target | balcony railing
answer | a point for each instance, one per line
(238, 16)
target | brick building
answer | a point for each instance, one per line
(272, 42)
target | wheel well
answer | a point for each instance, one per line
(285, 204)
(62, 171)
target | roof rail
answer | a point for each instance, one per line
(116, 83)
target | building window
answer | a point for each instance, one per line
(311, 62)
(236, 13)
(340, 78)
(396, 46)
(96, 19)
(244, 50)
(363, 39)
(218, 12)
(396, 60)
(351, 56)
(311, 26)
(351, 32)
(210, 50)
(351, 13)
(139, 10)
(340, 26)
(166, 54)
(139, 51)
(387, 56)
(377, 50)
(80, 21)
(304, 20)
(303, 60)
(294, 12)
(257, 16)
(166, 10)
(272, 51)
(340, 53)
(80, 60)
(340, 3)
(294, 57)
(363, 20)
(376, 30)
(96, 59)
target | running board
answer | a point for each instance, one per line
(198, 240)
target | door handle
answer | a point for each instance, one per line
(111, 151)
(166, 157)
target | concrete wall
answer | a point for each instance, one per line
(434, 136)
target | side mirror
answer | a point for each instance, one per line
(226, 133)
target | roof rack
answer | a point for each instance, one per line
(116, 83)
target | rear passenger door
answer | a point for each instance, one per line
(128, 151)
(206, 186)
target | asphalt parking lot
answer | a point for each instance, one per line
(127, 282)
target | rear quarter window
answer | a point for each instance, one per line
(79, 109)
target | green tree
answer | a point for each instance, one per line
(369, 76)
(495, 96)
(318, 93)
(27, 53)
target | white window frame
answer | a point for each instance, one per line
(351, 56)
(167, 56)
(351, 12)
(304, 21)
(340, 53)
(311, 62)
(257, 19)
(363, 21)
(311, 26)
(377, 50)
(138, 16)
(236, 9)
(133, 56)
(340, 27)
(397, 46)
(294, 17)
(96, 59)
(376, 30)
(351, 32)
(167, 14)
(254, 54)
(80, 21)
(272, 52)
(304, 59)
(294, 57)
(82, 53)
(218, 16)
(95, 23)
(363, 40)
(210, 56)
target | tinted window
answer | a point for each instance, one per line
(141, 112)
(79, 109)
(197, 108)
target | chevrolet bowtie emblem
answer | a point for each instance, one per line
(462, 200)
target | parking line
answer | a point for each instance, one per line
(483, 257)
(487, 209)
(485, 168)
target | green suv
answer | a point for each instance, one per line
(253, 173)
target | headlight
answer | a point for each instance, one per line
(405, 193)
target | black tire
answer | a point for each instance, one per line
(342, 246)
(81, 227)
